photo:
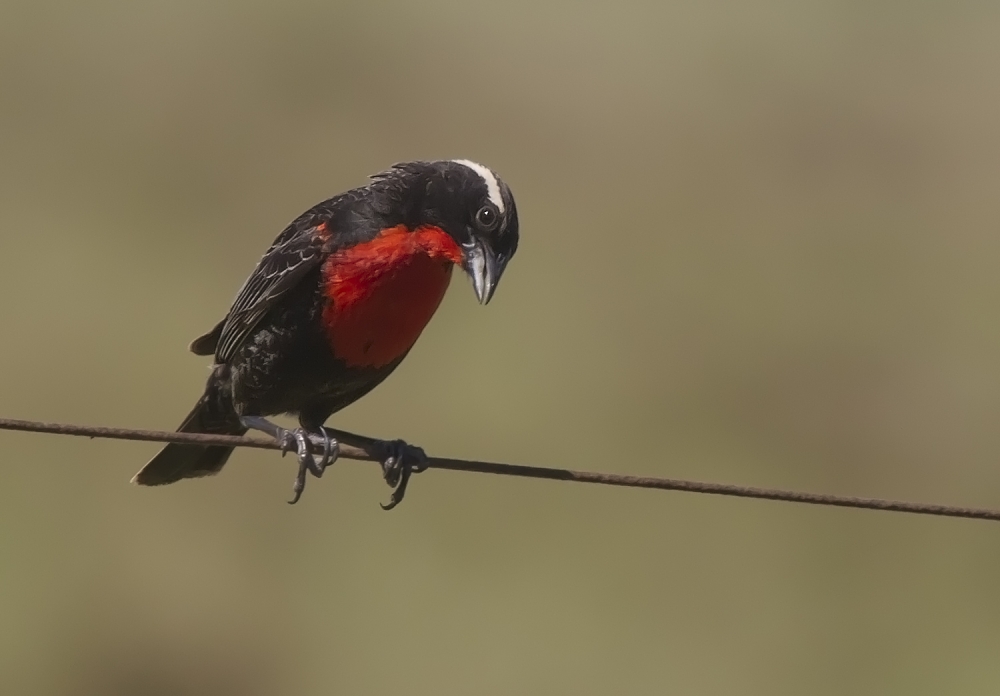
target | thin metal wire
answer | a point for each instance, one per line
(539, 472)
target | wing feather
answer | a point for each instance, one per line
(295, 253)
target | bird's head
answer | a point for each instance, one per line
(468, 202)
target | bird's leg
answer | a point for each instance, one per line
(300, 440)
(399, 460)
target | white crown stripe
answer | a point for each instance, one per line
(492, 187)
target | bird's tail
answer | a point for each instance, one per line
(213, 414)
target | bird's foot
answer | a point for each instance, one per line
(300, 440)
(399, 461)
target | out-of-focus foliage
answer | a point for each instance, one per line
(759, 245)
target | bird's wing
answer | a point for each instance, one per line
(205, 345)
(295, 252)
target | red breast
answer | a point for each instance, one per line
(383, 292)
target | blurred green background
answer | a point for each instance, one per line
(759, 245)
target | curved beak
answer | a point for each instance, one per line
(483, 267)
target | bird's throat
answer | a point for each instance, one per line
(381, 293)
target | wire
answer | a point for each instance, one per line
(540, 472)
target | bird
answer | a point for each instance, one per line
(333, 307)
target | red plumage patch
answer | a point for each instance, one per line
(382, 293)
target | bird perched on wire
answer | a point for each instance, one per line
(335, 305)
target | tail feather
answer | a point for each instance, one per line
(176, 461)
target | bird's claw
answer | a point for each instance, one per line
(399, 462)
(303, 441)
(299, 439)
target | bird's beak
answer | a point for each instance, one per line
(482, 266)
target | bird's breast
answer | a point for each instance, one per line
(381, 294)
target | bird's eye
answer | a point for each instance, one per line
(487, 217)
